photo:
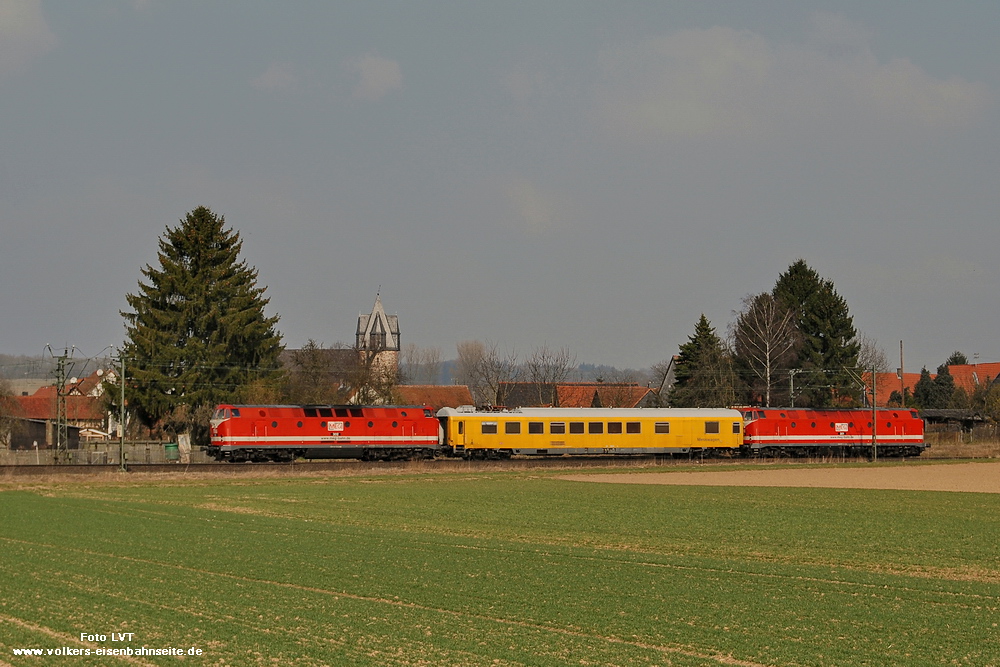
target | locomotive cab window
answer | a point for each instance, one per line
(489, 427)
(711, 427)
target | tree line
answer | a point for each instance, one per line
(197, 335)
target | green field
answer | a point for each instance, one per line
(496, 569)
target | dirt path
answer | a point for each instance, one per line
(968, 477)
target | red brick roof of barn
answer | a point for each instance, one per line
(42, 405)
(435, 395)
(967, 376)
(971, 376)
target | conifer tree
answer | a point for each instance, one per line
(198, 333)
(703, 375)
(828, 351)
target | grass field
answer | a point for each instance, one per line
(496, 569)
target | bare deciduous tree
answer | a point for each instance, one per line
(374, 375)
(482, 367)
(9, 410)
(419, 365)
(315, 374)
(546, 367)
(871, 355)
(764, 338)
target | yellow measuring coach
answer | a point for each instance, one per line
(585, 431)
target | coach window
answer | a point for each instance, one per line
(736, 427)
(536, 427)
(576, 427)
(595, 427)
(662, 427)
(633, 427)
(557, 427)
(711, 427)
(489, 427)
(461, 428)
(614, 427)
(512, 427)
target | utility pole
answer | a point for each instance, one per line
(902, 382)
(874, 417)
(122, 463)
(62, 423)
(791, 385)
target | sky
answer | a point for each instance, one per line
(576, 174)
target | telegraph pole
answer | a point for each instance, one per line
(122, 463)
(62, 423)
(874, 417)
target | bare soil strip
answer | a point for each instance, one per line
(965, 477)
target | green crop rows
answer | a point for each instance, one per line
(498, 569)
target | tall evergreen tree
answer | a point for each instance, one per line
(944, 387)
(198, 333)
(703, 375)
(924, 395)
(956, 359)
(828, 354)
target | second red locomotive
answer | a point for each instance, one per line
(822, 432)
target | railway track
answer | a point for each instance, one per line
(354, 467)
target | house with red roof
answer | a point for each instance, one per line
(436, 396)
(85, 411)
(969, 377)
(575, 395)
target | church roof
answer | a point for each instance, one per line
(384, 329)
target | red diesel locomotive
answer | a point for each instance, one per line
(823, 432)
(287, 432)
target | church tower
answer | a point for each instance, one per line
(377, 343)
(378, 332)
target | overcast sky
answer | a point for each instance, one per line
(592, 175)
